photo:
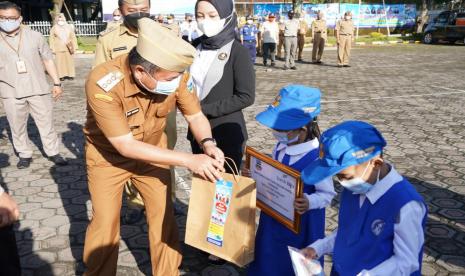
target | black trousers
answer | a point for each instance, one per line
(9, 258)
(233, 151)
(269, 52)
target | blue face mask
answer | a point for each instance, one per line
(283, 137)
(358, 185)
(9, 26)
(163, 87)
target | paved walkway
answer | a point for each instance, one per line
(414, 94)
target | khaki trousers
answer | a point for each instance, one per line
(290, 48)
(41, 109)
(133, 196)
(280, 46)
(107, 173)
(318, 47)
(343, 49)
(300, 45)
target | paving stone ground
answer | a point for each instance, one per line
(415, 94)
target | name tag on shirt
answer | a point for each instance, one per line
(120, 49)
(21, 67)
(132, 112)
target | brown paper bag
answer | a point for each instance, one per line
(239, 230)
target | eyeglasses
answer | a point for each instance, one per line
(9, 19)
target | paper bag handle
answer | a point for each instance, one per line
(234, 169)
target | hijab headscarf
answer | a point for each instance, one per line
(224, 8)
(62, 31)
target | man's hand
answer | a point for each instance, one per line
(210, 149)
(9, 212)
(57, 92)
(205, 166)
(309, 253)
(246, 172)
(301, 205)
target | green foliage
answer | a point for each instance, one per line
(377, 35)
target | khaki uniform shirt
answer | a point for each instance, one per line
(33, 50)
(345, 27)
(291, 27)
(122, 108)
(113, 43)
(282, 27)
(113, 24)
(175, 28)
(319, 26)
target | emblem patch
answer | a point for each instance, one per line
(110, 80)
(277, 101)
(222, 56)
(377, 227)
(190, 86)
(363, 153)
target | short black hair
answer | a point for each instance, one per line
(6, 5)
(121, 3)
(136, 59)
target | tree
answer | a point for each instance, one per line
(297, 6)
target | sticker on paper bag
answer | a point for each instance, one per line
(219, 214)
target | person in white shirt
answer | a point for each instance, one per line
(381, 215)
(270, 37)
(189, 29)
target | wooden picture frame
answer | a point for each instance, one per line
(279, 168)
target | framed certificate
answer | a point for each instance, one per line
(277, 188)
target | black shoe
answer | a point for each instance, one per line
(340, 66)
(294, 68)
(58, 160)
(319, 62)
(62, 79)
(346, 65)
(265, 64)
(285, 68)
(133, 215)
(214, 260)
(300, 60)
(24, 163)
(273, 64)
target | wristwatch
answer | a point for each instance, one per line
(207, 140)
(57, 84)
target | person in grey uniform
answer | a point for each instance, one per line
(291, 28)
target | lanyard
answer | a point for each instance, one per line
(19, 44)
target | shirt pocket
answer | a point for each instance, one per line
(166, 106)
(136, 125)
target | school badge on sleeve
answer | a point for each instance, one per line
(377, 227)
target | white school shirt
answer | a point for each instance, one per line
(324, 190)
(270, 32)
(408, 233)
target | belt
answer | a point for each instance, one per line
(253, 40)
(318, 32)
(345, 34)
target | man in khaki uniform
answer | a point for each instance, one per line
(116, 21)
(128, 100)
(24, 88)
(119, 40)
(344, 37)
(319, 37)
(173, 25)
(281, 37)
(303, 28)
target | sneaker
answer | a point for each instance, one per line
(133, 215)
(294, 68)
(58, 160)
(24, 163)
(273, 64)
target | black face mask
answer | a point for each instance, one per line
(290, 16)
(131, 19)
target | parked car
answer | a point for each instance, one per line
(447, 26)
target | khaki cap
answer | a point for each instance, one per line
(135, 2)
(162, 47)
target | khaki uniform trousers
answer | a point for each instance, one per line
(343, 49)
(300, 45)
(41, 109)
(133, 196)
(107, 175)
(280, 45)
(290, 48)
(318, 47)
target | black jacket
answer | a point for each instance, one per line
(234, 92)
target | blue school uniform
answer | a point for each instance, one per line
(365, 234)
(248, 33)
(273, 238)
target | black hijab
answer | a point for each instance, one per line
(225, 8)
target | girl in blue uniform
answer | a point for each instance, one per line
(292, 118)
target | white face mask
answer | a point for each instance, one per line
(250, 22)
(163, 87)
(358, 185)
(9, 27)
(281, 20)
(61, 22)
(212, 27)
(348, 17)
(116, 18)
(170, 21)
(282, 137)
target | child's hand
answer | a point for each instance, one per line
(309, 253)
(245, 172)
(301, 205)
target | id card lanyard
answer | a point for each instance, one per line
(20, 64)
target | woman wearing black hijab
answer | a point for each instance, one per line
(224, 77)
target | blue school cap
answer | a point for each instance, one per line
(294, 107)
(347, 144)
